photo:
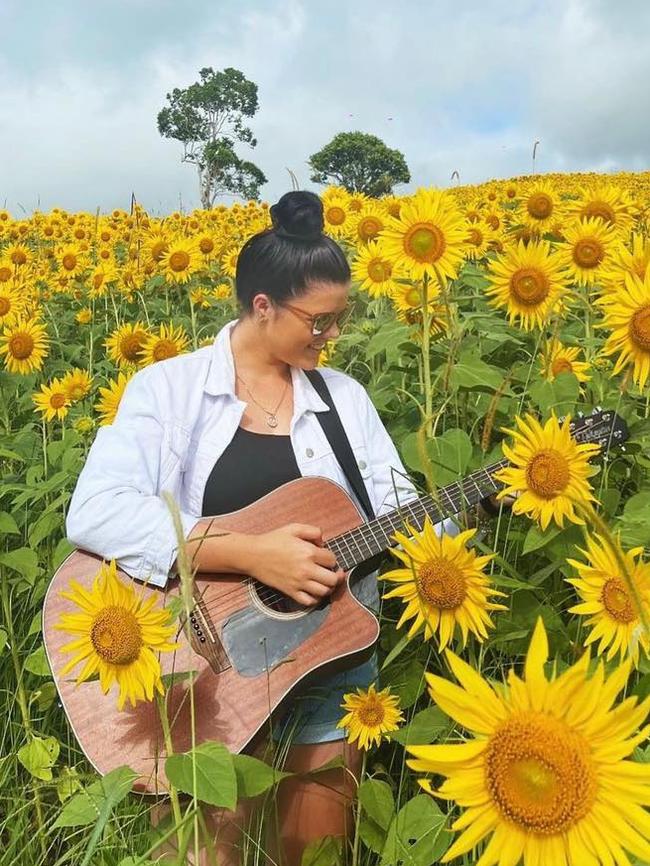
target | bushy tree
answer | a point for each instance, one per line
(208, 118)
(361, 163)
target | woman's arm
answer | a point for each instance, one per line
(116, 510)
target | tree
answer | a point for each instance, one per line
(361, 163)
(208, 118)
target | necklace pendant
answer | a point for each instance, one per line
(272, 421)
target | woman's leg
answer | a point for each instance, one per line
(310, 807)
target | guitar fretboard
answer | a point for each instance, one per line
(362, 543)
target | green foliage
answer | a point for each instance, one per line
(361, 163)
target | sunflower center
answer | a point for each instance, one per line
(98, 280)
(372, 713)
(77, 392)
(18, 257)
(547, 473)
(379, 270)
(5, 273)
(530, 286)
(179, 261)
(442, 584)
(588, 253)
(493, 221)
(130, 346)
(369, 228)
(5, 306)
(165, 349)
(21, 346)
(617, 602)
(57, 400)
(425, 242)
(561, 365)
(540, 206)
(540, 774)
(601, 210)
(206, 245)
(336, 215)
(475, 237)
(115, 634)
(69, 261)
(640, 327)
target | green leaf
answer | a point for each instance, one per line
(254, 776)
(406, 679)
(560, 395)
(449, 454)
(387, 339)
(43, 527)
(425, 727)
(8, 525)
(323, 852)
(415, 836)
(97, 800)
(43, 696)
(3, 639)
(216, 782)
(23, 560)
(11, 455)
(471, 372)
(536, 538)
(39, 756)
(36, 663)
(63, 549)
(173, 679)
(377, 801)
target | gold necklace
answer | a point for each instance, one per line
(272, 421)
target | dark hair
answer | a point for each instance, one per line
(283, 260)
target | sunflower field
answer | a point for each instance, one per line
(509, 724)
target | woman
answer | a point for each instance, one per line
(219, 428)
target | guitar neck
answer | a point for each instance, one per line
(362, 543)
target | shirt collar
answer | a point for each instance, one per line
(221, 376)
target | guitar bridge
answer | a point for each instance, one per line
(203, 637)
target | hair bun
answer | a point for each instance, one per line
(298, 215)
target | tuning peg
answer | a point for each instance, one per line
(623, 448)
(596, 409)
(581, 414)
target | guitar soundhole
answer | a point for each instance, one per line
(278, 602)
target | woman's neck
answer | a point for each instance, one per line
(251, 357)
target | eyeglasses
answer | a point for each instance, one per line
(322, 321)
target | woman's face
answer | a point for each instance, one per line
(289, 330)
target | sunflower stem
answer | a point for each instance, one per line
(357, 820)
(161, 703)
(426, 356)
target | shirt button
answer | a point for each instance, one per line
(362, 464)
(309, 452)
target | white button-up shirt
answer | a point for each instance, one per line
(175, 419)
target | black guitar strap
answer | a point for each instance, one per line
(337, 437)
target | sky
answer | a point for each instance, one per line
(455, 86)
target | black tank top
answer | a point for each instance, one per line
(252, 465)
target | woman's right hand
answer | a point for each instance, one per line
(292, 560)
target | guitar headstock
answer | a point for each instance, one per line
(602, 426)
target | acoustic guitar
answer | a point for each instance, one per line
(248, 645)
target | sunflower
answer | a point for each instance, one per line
(126, 343)
(18, 254)
(52, 400)
(71, 260)
(100, 278)
(200, 297)
(339, 220)
(528, 281)
(407, 301)
(478, 240)
(228, 260)
(587, 251)
(77, 384)
(155, 244)
(550, 470)
(110, 398)
(84, 425)
(222, 292)
(369, 715)
(429, 236)
(84, 316)
(180, 260)
(373, 270)
(167, 343)
(11, 303)
(207, 244)
(368, 222)
(627, 313)
(7, 270)
(559, 359)
(540, 207)
(605, 202)
(545, 774)
(634, 261)
(24, 343)
(612, 610)
(119, 635)
(443, 585)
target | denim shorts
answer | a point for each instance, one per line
(314, 711)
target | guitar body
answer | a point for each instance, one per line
(247, 654)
